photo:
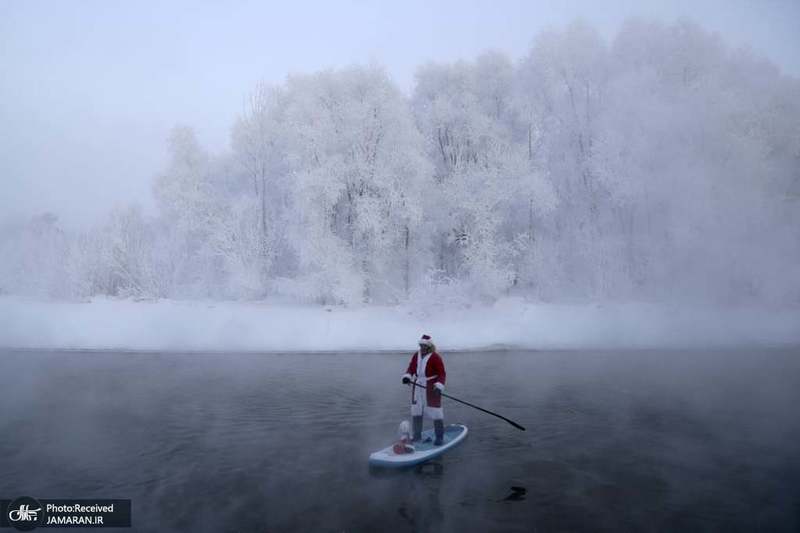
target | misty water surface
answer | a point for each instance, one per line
(645, 441)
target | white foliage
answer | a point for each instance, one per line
(660, 165)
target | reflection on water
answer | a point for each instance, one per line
(245, 442)
(517, 494)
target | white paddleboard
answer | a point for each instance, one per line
(423, 451)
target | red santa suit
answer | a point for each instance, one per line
(428, 372)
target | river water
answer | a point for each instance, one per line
(615, 441)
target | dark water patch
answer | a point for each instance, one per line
(517, 494)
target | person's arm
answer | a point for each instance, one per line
(411, 370)
(441, 375)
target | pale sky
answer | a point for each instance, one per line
(90, 89)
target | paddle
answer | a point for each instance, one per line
(475, 407)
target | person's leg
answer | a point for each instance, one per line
(416, 421)
(437, 414)
(438, 427)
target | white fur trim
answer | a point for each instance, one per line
(405, 376)
(434, 413)
(425, 342)
(422, 367)
(439, 385)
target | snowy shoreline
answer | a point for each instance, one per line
(192, 326)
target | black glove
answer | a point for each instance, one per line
(406, 380)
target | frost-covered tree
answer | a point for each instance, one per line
(358, 175)
(34, 258)
(660, 165)
(259, 145)
(563, 79)
(485, 178)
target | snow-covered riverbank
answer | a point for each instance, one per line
(231, 326)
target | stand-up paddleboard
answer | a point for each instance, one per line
(423, 451)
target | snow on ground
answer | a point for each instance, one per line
(512, 323)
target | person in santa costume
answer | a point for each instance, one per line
(426, 369)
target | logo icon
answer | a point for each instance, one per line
(25, 514)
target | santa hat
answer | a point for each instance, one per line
(426, 341)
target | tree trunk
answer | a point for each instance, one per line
(406, 274)
(263, 207)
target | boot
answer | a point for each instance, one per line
(417, 422)
(438, 427)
